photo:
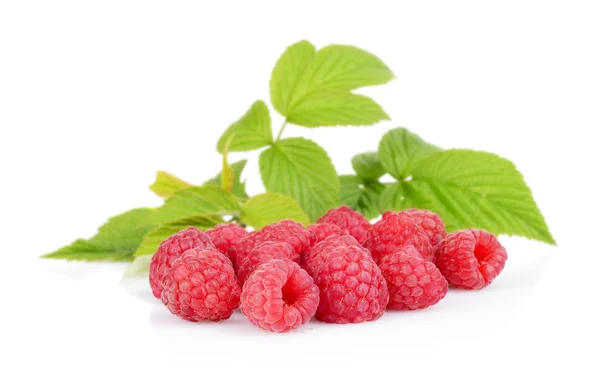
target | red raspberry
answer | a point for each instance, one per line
(396, 230)
(279, 296)
(262, 254)
(432, 224)
(169, 250)
(352, 288)
(413, 283)
(471, 259)
(287, 231)
(351, 222)
(318, 254)
(322, 231)
(224, 236)
(201, 285)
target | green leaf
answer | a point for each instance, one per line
(239, 187)
(301, 169)
(400, 151)
(312, 88)
(194, 201)
(471, 189)
(361, 196)
(166, 184)
(150, 243)
(116, 240)
(252, 131)
(140, 267)
(268, 208)
(368, 166)
(227, 174)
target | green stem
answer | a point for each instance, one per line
(281, 130)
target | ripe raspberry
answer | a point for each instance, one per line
(352, 288)
(413, 283)
(262, 254)
(317, 255)
(351, 222)
(394, 231)
(322, 231)
(279, 296)
(471, 259)
(287, 231)
(432, 224)
(224, 236)
(169, 250)
(201, 285)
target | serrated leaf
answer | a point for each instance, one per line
(368, 166)
(239, 187)
(400, 151)
(350, 190)
(152, 239)
(361, 196)
(194, 201)
(472, 189)
(140, 267)
(166, 184)
(301, 169)
(252, 131)
(312, 88)
(267, 208)
(116, 240)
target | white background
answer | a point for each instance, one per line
(97, 96)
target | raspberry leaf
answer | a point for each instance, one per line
(471, 189)
(267, 208)
(301, 169)
(239, 187)
(368, 166)
(153, 238)
(194, 201)
(252, 131)
(116, 240)
(360, 195)
(350, 190)
(313, 88)
(166, 184)
(401, 150)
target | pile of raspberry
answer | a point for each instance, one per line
(343, 269)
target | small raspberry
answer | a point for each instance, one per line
(279, 296)
(471, 259)
(351, 222)
(317, 255)
(169, 250)
(352, 288)
(413, 283)
(201, 285)
(432, 224)
(394, 231)
(224, 236)
(262, 254)
(324, 230)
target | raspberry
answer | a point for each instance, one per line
(317, 255)
(394, 231)
(352, 288)
(224, 236)
(279, 296)
(201, 285)
(471, 259)
(169, 250)
(291, 232)
(432, 224)
(351, 222)
(413, 283)
(262, 254)
(322, 231)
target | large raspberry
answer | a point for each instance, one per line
(324, 230)
(261, 254)
(224, 236)
(351, 222)
(432, 224)
(291, 232)
(352, 288)
(413, 283)
(279, 296)
(471, 259)
(318, 254)
(396, 230)
(169, 250)
(201, 285)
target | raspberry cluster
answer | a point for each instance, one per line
(340, 270)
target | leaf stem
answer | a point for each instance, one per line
(281, 130)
